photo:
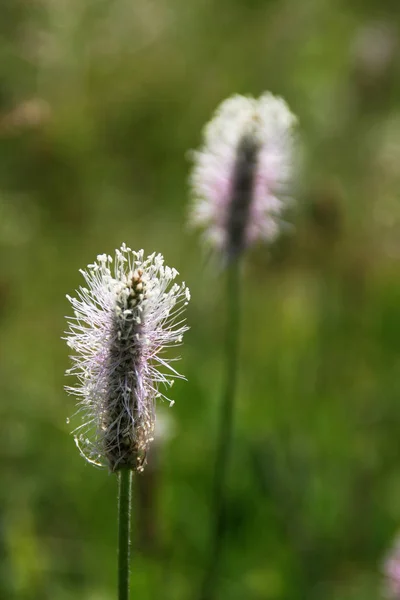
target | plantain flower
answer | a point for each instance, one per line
(241, 176)
(127, 316)
(392, 572)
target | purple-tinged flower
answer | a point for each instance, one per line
(391, 569)
(241, 176)
(125, 318)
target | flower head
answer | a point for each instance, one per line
(125, 318)
(241, 175)
(392, 572)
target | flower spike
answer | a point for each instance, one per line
(125, 318)
(241, 176)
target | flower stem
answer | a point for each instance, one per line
(124, 531)
(225, 428)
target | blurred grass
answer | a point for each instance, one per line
(99, 104)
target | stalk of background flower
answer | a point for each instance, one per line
(225, 431)
(239, 184)
(124, 320)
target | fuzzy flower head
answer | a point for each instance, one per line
(391, 569)
(241, 176)
(129, 313)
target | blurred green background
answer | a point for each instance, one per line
(100, 101)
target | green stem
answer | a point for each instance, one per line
(124, 531)
(225, 429)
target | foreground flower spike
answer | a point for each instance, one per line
(125, 318)
(241, 176)
(392, 572)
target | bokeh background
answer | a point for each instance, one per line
(100, 102)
